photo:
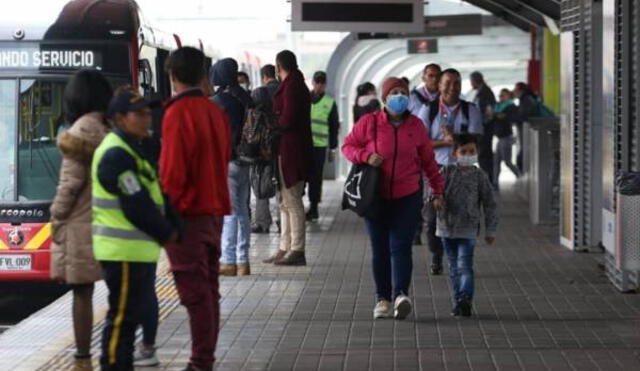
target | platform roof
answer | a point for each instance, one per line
(522, 13)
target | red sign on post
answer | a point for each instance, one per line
(422, 46)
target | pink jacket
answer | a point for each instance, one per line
(406, 150)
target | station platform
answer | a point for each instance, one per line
(538, 307)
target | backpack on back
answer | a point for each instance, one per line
(257, 140)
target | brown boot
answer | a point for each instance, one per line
(277, 256)
(292, 258)
(228, 269)
(244, 269)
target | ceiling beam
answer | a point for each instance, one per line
(500, 12)
(549, 8)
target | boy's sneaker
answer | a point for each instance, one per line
(455, 312)
(465, 307)
(145, 358)
(402, 307)
(383, 309)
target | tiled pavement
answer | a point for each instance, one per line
(538, 306)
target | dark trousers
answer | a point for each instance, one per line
(429, 215)
(485, 155)
(315, 180)
(391, 234)
(151, 314)
(128, 284)
(194, 263)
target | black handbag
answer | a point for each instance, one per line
(263, 181)
(360, 193)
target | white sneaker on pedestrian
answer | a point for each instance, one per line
(402, 307)
(383, 309)
(145, 358)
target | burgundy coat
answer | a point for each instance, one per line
(292, 104)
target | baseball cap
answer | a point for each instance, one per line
(129, 100)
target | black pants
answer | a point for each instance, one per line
(435, 243)
(128, 284)
(315, 180)
(485, 155)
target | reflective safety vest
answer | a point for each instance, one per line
(320, 112)
(115, 238)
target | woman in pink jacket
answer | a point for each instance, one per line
(403, 151)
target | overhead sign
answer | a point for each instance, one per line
(54, 59)
(437, 26)
(357, 15)
(422, 46)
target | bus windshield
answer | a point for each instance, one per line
(8, 105)
(40, 121)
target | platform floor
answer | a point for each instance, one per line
(539, 307)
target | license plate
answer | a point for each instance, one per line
(15, 262)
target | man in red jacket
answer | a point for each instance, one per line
(193, 172)
(292, 104)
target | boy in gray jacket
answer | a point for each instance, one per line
(468, 194)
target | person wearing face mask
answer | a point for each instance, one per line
(444, 117)
(244, 81)
(397, 142)
(366, 101)
(468, 196)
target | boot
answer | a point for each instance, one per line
(244, 269)
(292, 258)
(277, 256)
(228, 269)
(82, 364)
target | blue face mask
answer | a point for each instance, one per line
(397, 103)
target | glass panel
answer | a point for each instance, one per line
(7, 139)
(41, 119)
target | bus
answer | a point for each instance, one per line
(36, 60)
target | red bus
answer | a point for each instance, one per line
(35, 64)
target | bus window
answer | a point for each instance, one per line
(7, 139)
(40, 119)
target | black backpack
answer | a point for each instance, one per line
(434, 109)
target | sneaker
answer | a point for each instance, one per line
(436, 269)
(402, 307)
(383, 309)
(465, 307)
(145, 358)
(312, 215)
(455, 312)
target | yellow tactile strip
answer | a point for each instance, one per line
(167, 301)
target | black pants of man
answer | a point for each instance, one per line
(485, 155)
(128, 285)
(429, 215)
(315, 180)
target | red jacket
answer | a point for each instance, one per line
(406, 149)
(292, 104)
(195, 155)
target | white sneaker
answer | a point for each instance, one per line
(383, 309)
(402, 307)
(145, 358)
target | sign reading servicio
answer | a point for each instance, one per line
(49, 59)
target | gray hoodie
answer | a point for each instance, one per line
(468, 194)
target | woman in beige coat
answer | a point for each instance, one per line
(86, 98)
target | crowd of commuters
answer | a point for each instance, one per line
(123, 197)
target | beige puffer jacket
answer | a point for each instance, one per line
(71, 253)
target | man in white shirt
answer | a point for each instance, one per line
(428, 92)
(443, 118)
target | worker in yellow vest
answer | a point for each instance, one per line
(129, 224)
(324, 126)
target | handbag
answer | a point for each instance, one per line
(262, 178)
(360, 193)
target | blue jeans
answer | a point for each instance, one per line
(391, 233)
(236, 230)
(460, 253)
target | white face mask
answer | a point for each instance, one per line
(245, 86)
(467, 160)
(366, 99)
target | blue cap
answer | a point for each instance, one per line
(129, 101)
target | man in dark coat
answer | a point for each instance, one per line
(486, 100)
(292, 104)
